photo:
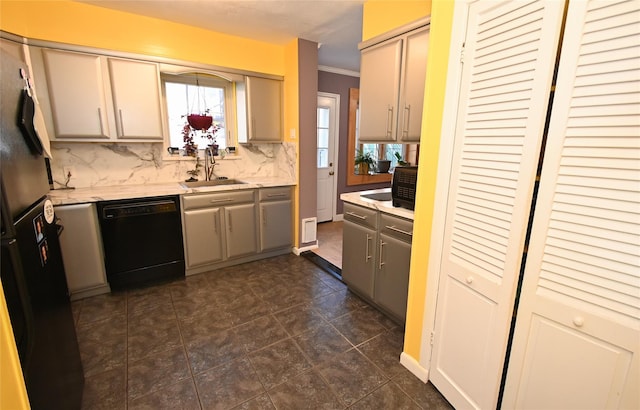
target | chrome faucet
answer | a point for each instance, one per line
(209, 163)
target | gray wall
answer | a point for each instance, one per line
(340, 84)
(308, 103)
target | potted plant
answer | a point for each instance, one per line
(382, 166)
(401, 162)
(364, 161)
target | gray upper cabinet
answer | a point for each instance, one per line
(392, 79)
(135, 87)
(96, 98)
(414, 72)
(260, 101)
(77, 97)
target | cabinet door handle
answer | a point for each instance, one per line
(382, 244)
(100, 121)
(405, 120)
(121, 134)
(276, 195)
(356, 215)
(230, 222)
(214, 201)
(366, 255)
(393, 228)
(215, 224)
(264, 217)
(389, 121)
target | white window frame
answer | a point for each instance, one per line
(206, 80)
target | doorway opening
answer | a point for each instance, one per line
(328, 126)
(329, 230)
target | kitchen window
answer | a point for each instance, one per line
(197, 94)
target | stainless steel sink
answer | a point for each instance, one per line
(381, 196)
(215, 182)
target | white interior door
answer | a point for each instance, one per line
(328, 120)
(577, 337)
(508, 61)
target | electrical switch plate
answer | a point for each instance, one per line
(292, 133)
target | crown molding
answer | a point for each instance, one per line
(341, 71)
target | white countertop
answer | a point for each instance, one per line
(108, 193)
(382, 206)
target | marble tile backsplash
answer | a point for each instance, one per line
(97, 164)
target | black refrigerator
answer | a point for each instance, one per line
(33, 277)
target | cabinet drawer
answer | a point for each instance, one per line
(275, 194)
(217, 199)
(360, 215)
(397, 227)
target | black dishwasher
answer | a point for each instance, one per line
(142, 240)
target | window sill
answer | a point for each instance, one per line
(228, 157)
(356, 179)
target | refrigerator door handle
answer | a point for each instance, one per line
(59, 226)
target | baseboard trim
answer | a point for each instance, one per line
(338, 218)
(299, 251)
(414, 367)
(95, 291)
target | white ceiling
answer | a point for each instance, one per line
(335, 24)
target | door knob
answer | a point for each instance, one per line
(331, 173)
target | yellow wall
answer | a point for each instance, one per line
(13, 394)
(87, 25)
(439, 40)
(380, 16)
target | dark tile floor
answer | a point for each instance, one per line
(274, 334)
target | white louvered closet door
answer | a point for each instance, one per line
(577, 338)
(509, 55)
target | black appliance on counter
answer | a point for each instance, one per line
(142, 240)
(33, 276)
(403, 186)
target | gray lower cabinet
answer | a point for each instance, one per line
(276, 228)
(394, 261)
(230, 227)
(82, 253)
(240, 230)
(358, 257)
(376, 256)
(359, 248)
(202, 236)
(218, 226)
